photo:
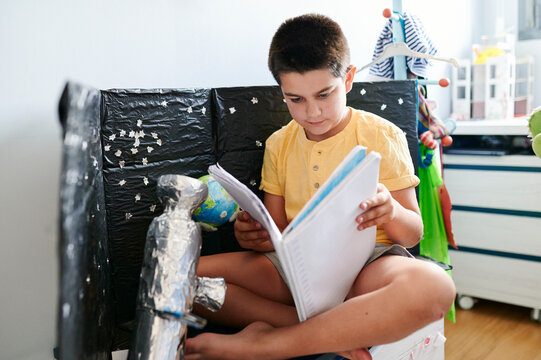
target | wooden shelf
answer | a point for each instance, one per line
(516, 126)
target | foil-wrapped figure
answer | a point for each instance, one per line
(169, 284)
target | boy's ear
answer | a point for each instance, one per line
(349, 77)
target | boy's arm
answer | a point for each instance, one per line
(249, 232)
(276, 207)
(398, 213)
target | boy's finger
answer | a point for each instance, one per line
(254, 235)
(372, 222)
(248, 226)
(243, 216)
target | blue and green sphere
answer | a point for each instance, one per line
(218, 208)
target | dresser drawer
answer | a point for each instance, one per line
(497, 278)
(507, 233)
(493, 182)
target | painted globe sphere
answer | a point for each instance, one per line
(218, 207)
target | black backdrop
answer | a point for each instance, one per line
(118, 142)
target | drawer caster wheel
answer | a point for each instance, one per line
(466, 302)
(535, 315)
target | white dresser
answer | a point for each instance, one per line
(496, 221)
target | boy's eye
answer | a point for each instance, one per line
(296, 100)
(324, 95)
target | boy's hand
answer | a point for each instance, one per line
(379, 209)
(250, 233)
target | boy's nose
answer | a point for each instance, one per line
(313, 110)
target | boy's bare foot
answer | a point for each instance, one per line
(246, 344)
(358, 354)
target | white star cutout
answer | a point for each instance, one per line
(159, 142)
(254, 100)
(121, 163)
(145, 161)
(400, 101)
(145, 180)
(232, 110)
(118, 153)
(128, 216)
(137, 197)
(204, 111)
(163, 103)
(154, 135)
(107, 147)
(383, 107)
(122, 133)
(122, 182)
(190, 110)
(363, 91)
(139, 123)
(152, 208)
(134, 151)
(149, 149)
(112, 137)
(132, 134)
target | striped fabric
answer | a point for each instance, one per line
(415, 38)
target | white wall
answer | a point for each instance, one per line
(135, 43)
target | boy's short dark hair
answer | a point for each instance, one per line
(308, 42)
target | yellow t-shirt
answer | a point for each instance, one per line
(294, 167)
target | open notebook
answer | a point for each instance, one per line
(321, 250)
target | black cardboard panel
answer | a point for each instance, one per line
(84, 308)
(146, 134)
(246, 116)
(394, 100)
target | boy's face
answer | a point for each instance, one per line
(317, 101)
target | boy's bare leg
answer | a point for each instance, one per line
(391, 298)
(255, 290)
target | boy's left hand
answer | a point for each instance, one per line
(378, 209)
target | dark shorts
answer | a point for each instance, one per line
(379, 251)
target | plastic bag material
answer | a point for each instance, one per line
(116, 145)
(146, 134)
(85, 313)
(434, 241)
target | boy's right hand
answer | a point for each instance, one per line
(250, 233)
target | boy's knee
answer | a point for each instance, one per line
(441, 292)
(434, 291)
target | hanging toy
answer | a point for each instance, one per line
(427, 139)
(428, 121)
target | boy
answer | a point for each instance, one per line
(393, 295)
